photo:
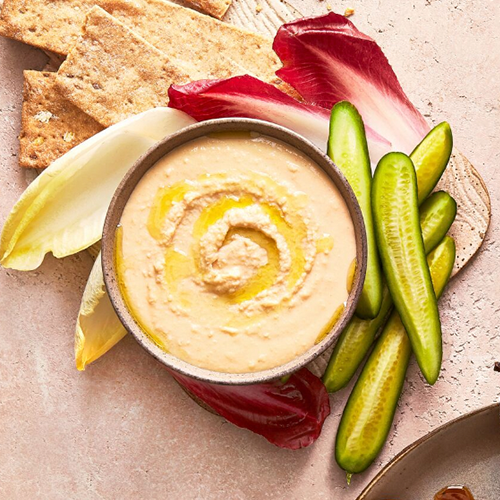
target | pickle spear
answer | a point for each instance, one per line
(401, 249)
(369, 412)
(430, 158)
(348, 149)
(437, 214)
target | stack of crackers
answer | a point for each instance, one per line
(117, 58)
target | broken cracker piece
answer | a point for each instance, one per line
(41, 24)
(46, 118)
(349, 12)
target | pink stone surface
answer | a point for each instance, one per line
(123, 429)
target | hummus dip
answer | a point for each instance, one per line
(235, 253)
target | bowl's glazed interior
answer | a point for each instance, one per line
(128, 185)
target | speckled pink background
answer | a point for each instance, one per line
(123, 429)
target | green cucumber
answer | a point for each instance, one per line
(402, 253)
(348, 149)
(437, 214)
(370, 410)
(353, 345)
(430, 158)
(436, 217)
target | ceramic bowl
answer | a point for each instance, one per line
(127, 186)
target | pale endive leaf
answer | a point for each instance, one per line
(98, 328)
(63, 210)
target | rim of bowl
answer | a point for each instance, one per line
(148, 160)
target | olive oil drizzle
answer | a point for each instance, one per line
(286, 212)
(290, 224)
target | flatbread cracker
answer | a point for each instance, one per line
(43, 23)
(218, 48)
(179, 32)
(113, 73)
(51, 125)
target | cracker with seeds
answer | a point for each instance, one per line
(219, 49)
(51, 125)
(46, 25)
(216, 50)
(113, 73)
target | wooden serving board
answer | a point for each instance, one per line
(461, 179)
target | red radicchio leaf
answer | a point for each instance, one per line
(289, 415)
(249, 97)
(327, 60)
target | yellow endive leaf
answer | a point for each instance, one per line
(63, 210)
(98, 328)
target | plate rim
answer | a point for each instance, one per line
(405, 451)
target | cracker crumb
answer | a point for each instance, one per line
(38, 141)
(349, 12)
(43, 116)
(328, 6)
(258, 8)
(68, 136)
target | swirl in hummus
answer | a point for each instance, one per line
(235, 252)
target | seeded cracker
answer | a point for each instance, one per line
(113, 73)
(218, 50)
(51, 125)
(178, 31)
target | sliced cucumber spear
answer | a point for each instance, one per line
(430, 158)
(437, 214)
(348, 149)
(401, 249)
(369, 412)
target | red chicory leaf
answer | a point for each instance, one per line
(289, 415)
(249, 97)
(327, 60)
